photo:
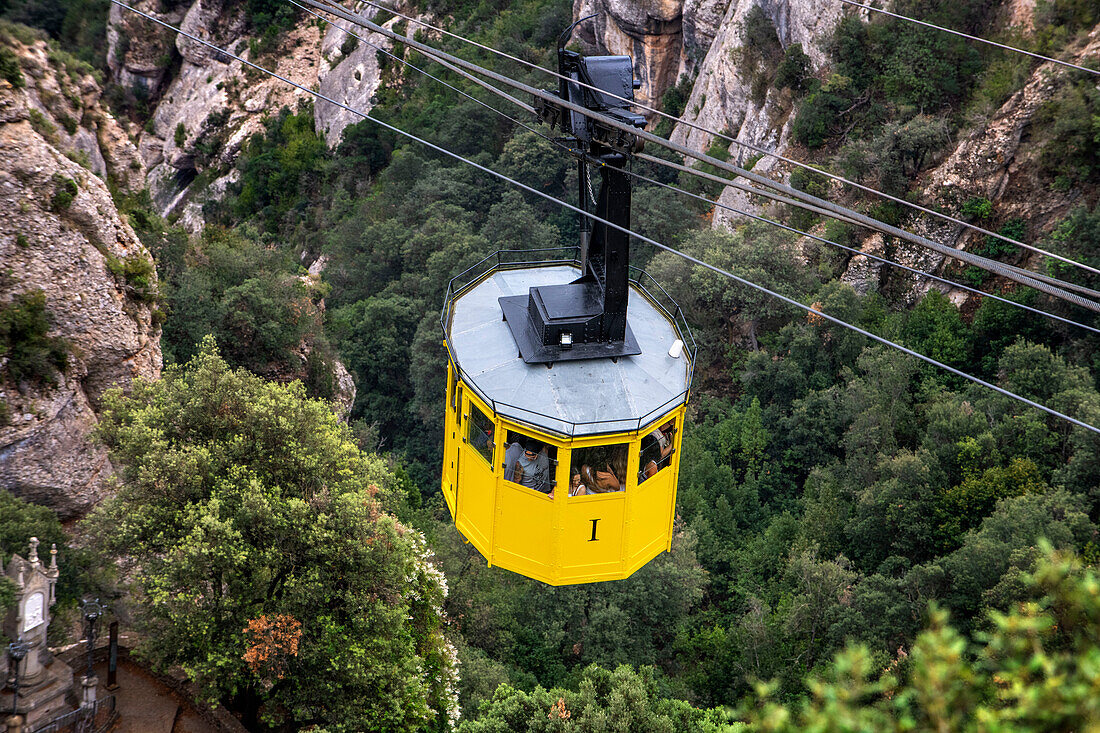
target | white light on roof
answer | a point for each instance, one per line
(677, 349)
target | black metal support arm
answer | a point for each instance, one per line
(586, 319)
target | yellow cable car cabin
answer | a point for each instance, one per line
(597, 498)
(567, 383)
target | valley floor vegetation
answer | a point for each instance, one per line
(862, 542)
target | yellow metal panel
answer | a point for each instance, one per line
(451, 442)
(476, 496)
(523, 538)
(649, 514)
(591, 537)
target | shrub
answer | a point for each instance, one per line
(818, 115)
(675, 99)
(64, 191)
(9, 68)
(42, 126)
(31, 354)
(137, 272)
(181, 135)
(349, 45)
(812, 183)
(1070, 124)
(793, 69)
(977, 209)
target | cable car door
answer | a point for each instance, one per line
(477, 479)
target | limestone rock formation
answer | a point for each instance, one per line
(61, 234)
(723, 99)
(702, 19)
(207, 110)
(353, 76)
(998, 162)
(649, 31)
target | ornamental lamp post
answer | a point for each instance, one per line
(17, 652)
(92, 611)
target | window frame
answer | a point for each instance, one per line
(553, 461)
(664, 461)
(471, 424)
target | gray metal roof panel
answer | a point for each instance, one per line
(596, 395)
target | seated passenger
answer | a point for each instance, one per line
(533, 468)
(608, 480)
(649, 459)
(483, 440)
(663, 440)
(511, 459)
(576, 486)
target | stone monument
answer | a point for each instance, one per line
(43, 682)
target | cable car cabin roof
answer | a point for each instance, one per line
(586, 397)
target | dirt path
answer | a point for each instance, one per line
(146, 705)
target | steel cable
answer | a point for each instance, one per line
(790, 301)
(781, 199)
(750, 146)
(1024, 277)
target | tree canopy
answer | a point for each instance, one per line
(261, 559)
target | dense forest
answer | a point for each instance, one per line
(862, 541)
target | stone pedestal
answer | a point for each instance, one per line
(87, 696)
(44, 683)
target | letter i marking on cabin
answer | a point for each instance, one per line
(594, 531)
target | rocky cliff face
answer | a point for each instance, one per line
(666, 38)
(725, 98)
(61, 234)
(206, 111)
(997, 161)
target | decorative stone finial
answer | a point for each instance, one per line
(19, 578)
(34, 551)
(52, 572)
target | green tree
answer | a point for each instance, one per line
(621, 700)
(1034, 670)
(375, 336)
(261, 562)
(27, 352)
(19, 521)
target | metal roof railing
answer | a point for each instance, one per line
(641, 280)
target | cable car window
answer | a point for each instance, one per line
(458, 403)
(451, 391)
(599, 469)
(656, 452)
(529, 462)
(480, 433)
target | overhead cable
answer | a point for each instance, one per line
(590, 160)
(859, 252)
(750, 146)
(790, 301)
(817, 210)
(1024, 277)
(970, 37)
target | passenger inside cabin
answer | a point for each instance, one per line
(532, 469)
(511, 457)
(655, 451)
(576, 485)
(601, 469)
(481, 435)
